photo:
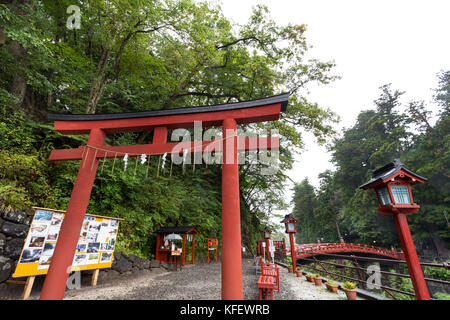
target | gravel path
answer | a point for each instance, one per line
(197, 282)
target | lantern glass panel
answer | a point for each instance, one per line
(384, 196)
(290, 227)
(267, 235)
(401, 194)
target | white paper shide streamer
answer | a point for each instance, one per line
(143, 158)
(164, 160)
(125, 162)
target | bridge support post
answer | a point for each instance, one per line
(412, 260)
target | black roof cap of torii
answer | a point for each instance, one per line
(281, 98)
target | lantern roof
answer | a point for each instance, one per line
(390, 170)
(288, 217)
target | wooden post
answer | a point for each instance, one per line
(193, 249)
(95, 277)
(28, 287)
(412, 260)
(183, 254)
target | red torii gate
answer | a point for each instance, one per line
(99, 125)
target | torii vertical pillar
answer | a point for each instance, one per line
(55, 281)
(231, 219)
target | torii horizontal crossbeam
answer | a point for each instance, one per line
(243, 144)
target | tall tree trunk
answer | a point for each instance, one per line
(98, 82)
(19, 83)
(339, 231)
(442, 250)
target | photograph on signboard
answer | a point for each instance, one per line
(30, 255)
(111, 244)
(43, 216)
(57, 219)
(49, 248)
(81, 247)
(92, 258)
(79, 259)
(44, 262)
(36, 241)
(85, 226)
(83, 236)
(93, 247)
(91, 237)
(53, 234)
(106, 257)
(112, 232)
(38, 229)
(94, 226)
(114, 223)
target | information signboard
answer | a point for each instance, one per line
(95, 246)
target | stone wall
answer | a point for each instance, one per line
(14, 225)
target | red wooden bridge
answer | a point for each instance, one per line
(308, 250)
(314, 249)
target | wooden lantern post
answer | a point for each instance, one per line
(267, 233)
(392, 184)
(289, 222)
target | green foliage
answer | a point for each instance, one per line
(390, 130)
(349, 285)
(147, 55)
(441, 296)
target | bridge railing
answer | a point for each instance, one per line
(361, 271)
(306, 249)
(308, 252)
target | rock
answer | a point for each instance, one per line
(142, 263)
(13, 248)
(6, 267)
(121, 263)
(16, 216)
(14, 229)
(132, 258)
(1, 222)
(2, 242)
(111, 274)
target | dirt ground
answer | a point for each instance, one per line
(193, 282)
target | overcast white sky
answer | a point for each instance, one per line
(405, 43)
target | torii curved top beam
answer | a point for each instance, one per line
(266, 109)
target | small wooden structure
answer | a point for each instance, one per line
(163, 249)
(212, 245)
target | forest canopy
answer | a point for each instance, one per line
(125, 56)
(338, 209)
